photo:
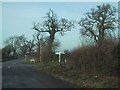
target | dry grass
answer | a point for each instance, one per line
(74, 77)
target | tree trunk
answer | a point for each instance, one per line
(30, 50)
(39, 50)
(14, 52)
(101, 37)
(100, 47)
(50, 46)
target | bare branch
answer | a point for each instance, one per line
(98, 21)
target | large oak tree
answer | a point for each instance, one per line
(99, 24)
(53, 25)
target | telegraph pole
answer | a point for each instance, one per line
(39, 51)
(119, 30)
(119, 21)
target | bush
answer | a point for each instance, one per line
(8, 57)
(94, 59)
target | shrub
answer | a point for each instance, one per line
(93, 59)
(8, 57)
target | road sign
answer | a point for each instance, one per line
(60, 53)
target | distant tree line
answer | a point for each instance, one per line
(21, 46)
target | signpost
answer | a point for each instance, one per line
(60, 53)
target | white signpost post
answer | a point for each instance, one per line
(60, 53)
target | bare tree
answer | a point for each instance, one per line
(30, 45)
(99, 24)
(23, 44)
(40, 42)
(12, 42)
(52, 26)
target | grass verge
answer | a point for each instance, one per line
(69, 74)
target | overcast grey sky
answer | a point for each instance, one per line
(18, 18)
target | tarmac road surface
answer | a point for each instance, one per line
(18, 75)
